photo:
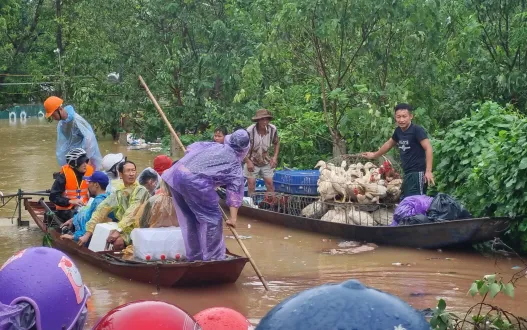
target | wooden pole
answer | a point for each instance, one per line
(176, 137)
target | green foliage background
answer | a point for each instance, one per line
(329, 70)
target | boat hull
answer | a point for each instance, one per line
(432, 235)
(159, 273)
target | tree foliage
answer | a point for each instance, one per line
(482, 160)
(330, 71)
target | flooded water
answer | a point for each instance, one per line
(290, 265)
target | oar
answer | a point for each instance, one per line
(35, 193)
(176, 137)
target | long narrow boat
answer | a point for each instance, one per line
(159, 273)
(429, 235)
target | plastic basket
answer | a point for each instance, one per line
(296, 182)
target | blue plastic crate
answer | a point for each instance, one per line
(297, 182)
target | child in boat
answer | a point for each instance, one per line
(219, 134)
(97, 184)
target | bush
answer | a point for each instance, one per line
(483, 162)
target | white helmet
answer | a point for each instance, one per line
(73, 155)
(110, 162)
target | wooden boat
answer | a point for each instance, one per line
(160, 273)
(429, 235)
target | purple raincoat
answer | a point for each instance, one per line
(192, 181)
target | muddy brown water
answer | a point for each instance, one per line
(27, 161)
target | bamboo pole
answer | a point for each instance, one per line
(176, 137)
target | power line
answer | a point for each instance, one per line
(29, 83)
(45, 75)
(26, 75)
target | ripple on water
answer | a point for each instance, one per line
(290, 265)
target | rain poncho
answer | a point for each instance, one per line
(80, 219)
(76, 132)
(192, 181)
(145, 175)
(159, 211)
(113, 185)
(126, 203)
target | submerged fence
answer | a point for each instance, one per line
(22, 112)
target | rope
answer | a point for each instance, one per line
(4, 203)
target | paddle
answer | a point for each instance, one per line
(176, 137)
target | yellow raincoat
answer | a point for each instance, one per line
(126, 203)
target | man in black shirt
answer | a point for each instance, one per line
(415, 150)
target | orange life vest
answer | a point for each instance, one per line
(73, 189)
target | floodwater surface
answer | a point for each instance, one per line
(291, 260)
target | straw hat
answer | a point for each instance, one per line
(262, 113)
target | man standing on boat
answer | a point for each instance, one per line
(415, 150)
(258, 162)
(126, 202)
(193, 181)
(70, 190)
(73, 131)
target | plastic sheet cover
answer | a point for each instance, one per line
(159, 210)
(412, 205)
(76, 132)
(149, 173)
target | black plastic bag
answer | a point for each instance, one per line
(415, 220)
(445, 207)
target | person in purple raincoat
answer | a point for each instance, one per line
(193, 181)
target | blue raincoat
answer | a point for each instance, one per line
(76, 132)
(192, 181)
(80, 219)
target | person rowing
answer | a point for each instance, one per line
(192, 182)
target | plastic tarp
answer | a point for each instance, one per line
(17, 317)
(76, 132)
(445, 207)
(410, 206)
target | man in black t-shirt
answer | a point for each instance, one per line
(415, 150)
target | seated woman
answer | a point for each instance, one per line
(159, 210)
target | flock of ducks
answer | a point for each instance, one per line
(350, 184)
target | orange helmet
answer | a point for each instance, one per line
(51, 105)
(144, 314)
